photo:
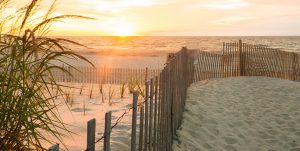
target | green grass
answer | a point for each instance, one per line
(27, 100)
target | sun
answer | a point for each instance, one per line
(124, 30)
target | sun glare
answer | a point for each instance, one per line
(124, 30)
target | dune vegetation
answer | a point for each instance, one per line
(27, 103)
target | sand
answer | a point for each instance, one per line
(241, 114)
(73, 114)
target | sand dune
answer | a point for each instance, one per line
(74, 116)
(241, 114)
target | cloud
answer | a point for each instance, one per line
(270, 2)
(186, 17)
(108, 5)
(233, 19)
(224, 4)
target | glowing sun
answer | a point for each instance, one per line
(124, 30)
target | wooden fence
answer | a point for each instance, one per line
(160, 113)
(241, 59)
(162, 110)
(103, 75)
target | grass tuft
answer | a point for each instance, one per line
(27, 100)
(141, 89)
(111, 93)
(122, 89)
(131, 85)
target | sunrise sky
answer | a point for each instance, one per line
(180, 17)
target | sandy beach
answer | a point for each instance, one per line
(241, 114)
(123, 75)
(76, 119)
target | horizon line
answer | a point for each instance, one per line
(177, 36)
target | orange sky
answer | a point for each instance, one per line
(180, 17)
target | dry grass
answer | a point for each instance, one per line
(91, 92)
(81, 89)
(131, 85)
(141, 89)
(100, 88)
(122, 89)
(28, 106)
(111, 93)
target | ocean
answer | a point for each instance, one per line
(144, 51)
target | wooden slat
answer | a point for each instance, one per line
(133, 123)
(91, 132)
(146, 138)
(141, 131)
(151, 113)
(107, 130)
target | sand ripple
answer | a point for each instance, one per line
(245, 113)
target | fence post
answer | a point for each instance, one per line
(134, 111)
(297, 67)
(104, 75)
(91, 129)
(106, 146)
(141, 135)
(155, 114)
(241, 59)
(63, 73)
(159, 117)
(151, 112)
(69, 74)
(54, 148)
(146, 116)
(294, 63)
(146, 74)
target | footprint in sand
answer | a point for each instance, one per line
(211, 122)
(295, 149)
(264, 135)
(291, 129)
(193, 102)
(207, 146)
(250, 122)
(214, 131)
(272, 142)
(241, 136)
(230, 148)
(280, 122)
(272, 132)
(293, 144)
(285, 115)
(230, 140)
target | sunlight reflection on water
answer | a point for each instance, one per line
(142, 52)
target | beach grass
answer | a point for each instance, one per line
(122, 89)
(28, 106)
(111, 93)
(131, 85)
